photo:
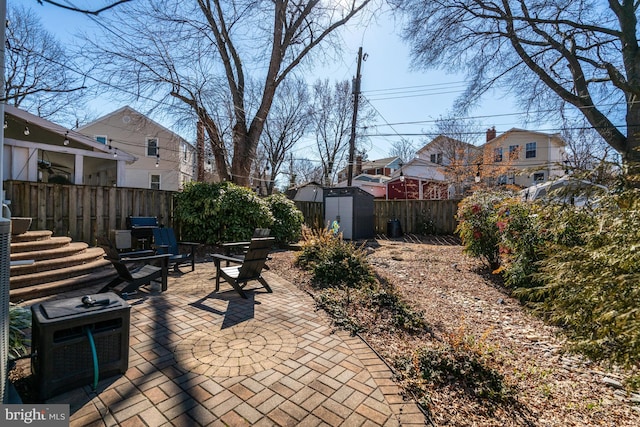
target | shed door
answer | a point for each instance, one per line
(340, 207)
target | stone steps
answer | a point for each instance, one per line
(43, 265)
(48, 254)
(99, 276)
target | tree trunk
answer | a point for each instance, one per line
(244, 152)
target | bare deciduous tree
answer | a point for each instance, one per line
(549, 54)
(588, 155)
(331, 123)
(198, 51)
(286, 125)
(403, 148)
(38, 75)
(457, 142)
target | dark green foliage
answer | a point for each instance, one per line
(342, 264)
(333, 302)
(19, 324)
(460, 368)
(221, 212)
(404, 317)
(288, 220)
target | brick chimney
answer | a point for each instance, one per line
(491, 133)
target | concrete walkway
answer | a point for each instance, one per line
(201, 358)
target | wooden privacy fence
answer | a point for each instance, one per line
(84, 212)
(415, 216)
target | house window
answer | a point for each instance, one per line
(513, 152)
(531, 150)
(102, 139)
(154, 182)
(538, 176)
(152, 147)
(497, 154)
(436, 158)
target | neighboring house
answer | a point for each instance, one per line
(448, 168)
(522, 157)
(165, 160)
(384, 167)
(372, 184)
(425, 176)
(39, 150)
(371, 175)
(418, 180)
(447, 159)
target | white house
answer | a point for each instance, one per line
(523, 157)
(39, 150)
(165, 161)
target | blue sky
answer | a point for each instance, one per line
(398, 94)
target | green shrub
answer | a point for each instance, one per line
(590, 280)
(241, 211)
(342, 264)
(288, 220)
(314, 242)
(522, 241)
(477, 226)
(404, 317)
(221, 212)
(19, 323)
(461, 362)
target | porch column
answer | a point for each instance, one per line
(78, 169)
(121, 173)
(32, 170)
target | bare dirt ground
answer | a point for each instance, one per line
(460, 298)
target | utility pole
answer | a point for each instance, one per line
(352, 140)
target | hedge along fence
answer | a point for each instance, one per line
(85, 212)
(415, 216)
(98, 210)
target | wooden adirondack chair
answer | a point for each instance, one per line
(134, 271)
(239, 249)
(250, 268)
(165, 243)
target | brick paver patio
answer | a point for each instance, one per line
(201, 358)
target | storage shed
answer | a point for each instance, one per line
(352, 208)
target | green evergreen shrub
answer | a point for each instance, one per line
(288, 220)
(590, 280)
(220, 212)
